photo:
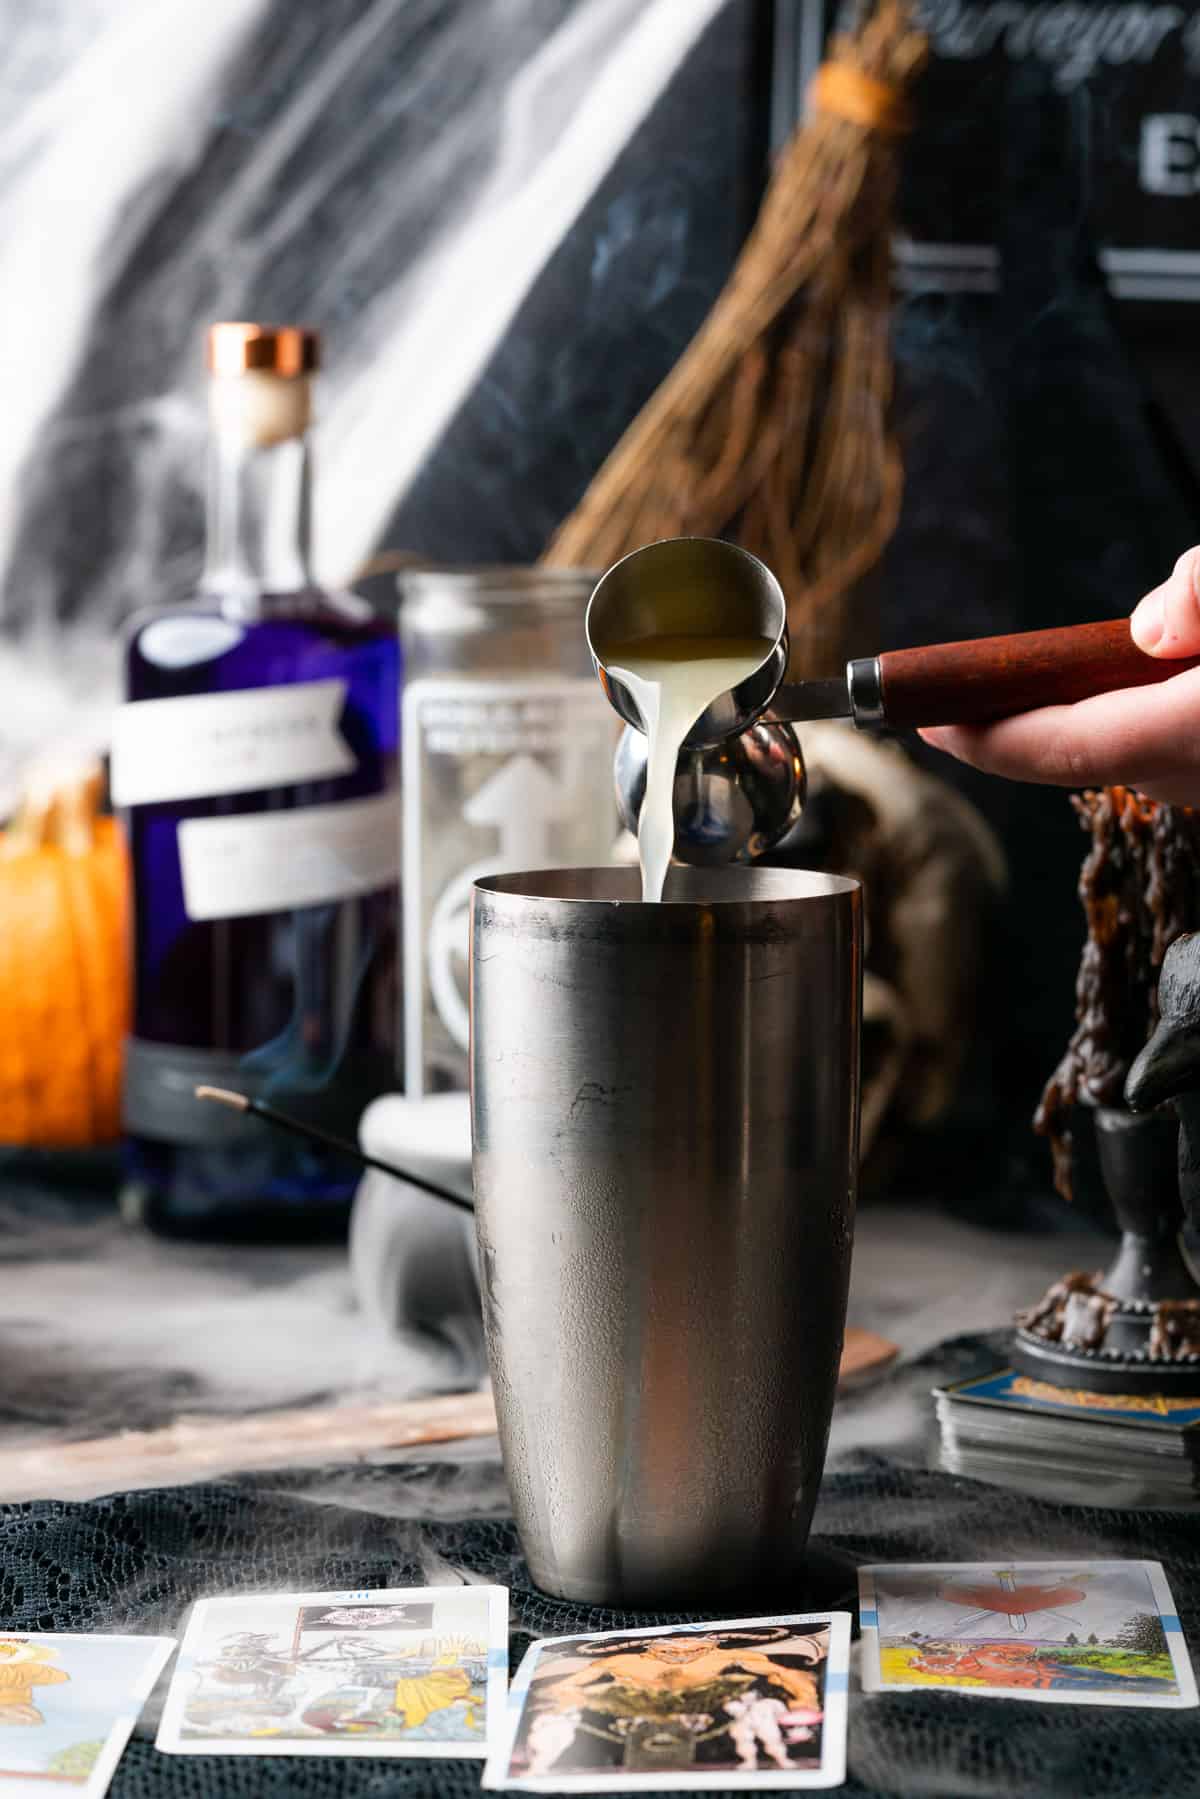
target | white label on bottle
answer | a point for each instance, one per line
(275, 861)
(209, 743)
(498, 775)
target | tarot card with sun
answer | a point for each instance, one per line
(1066, 1633)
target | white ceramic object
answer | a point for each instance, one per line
(412, 1257)
(431, 1136)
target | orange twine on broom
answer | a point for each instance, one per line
(773, 426)
(847, 93)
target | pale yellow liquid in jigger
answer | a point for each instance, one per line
(674, 680)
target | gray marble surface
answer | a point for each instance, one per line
(104, 1329)
(507, 217)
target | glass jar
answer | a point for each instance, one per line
(506, 754)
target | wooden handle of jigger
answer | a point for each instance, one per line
(987, 678)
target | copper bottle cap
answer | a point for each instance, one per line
(274, 349)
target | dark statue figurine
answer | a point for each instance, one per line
(1168, 1070)
(1133, 1064)
(1168, 1067)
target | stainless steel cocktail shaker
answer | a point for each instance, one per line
(665, 1123)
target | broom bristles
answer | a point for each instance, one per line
(773, 426)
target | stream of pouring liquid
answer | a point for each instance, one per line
(674, 680)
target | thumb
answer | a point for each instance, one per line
(1167, 621)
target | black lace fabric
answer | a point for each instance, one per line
(135, 1562)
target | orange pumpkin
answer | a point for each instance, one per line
(64, 967)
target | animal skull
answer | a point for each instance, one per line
(931, 870)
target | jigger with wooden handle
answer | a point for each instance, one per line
(730, 592)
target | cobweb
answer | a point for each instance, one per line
(397, 171)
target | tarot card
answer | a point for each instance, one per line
(1065, 1633)
(67, 1706)
(756, 1702)
(413, 1671)
(1012, 1391)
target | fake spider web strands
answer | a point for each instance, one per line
(1140, 889)
(773, 428)
(447, 148)
(137, 1562)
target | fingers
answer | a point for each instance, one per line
(1167, 621)
(1144, 737)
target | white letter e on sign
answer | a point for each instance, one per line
(1170, 155)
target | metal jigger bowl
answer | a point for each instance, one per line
(732, 803)
(685, 586)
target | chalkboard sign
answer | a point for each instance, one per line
(1119, 82)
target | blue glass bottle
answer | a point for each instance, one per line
(261, 805)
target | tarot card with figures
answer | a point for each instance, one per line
(1066, 1633)
(67, 1706)
(416, 1671)
(759, 1702)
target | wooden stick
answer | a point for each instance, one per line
(202, 1447)
(198, 1447)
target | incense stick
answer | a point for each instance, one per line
(242, 1102)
